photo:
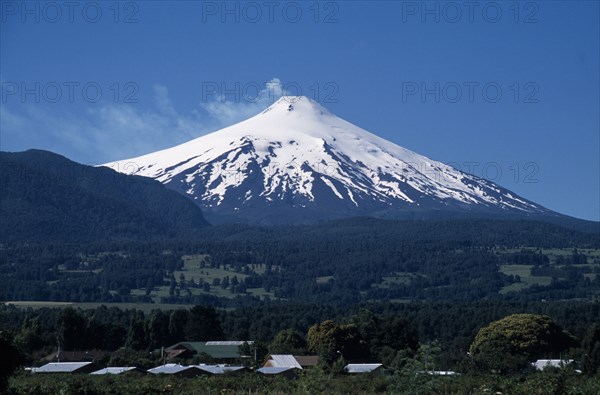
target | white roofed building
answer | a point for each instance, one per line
(542, 364)
(66, 367)
(354, 368)
(176, 370)
(282, 361)
(118, 370)
(283, 371)
(220, 369)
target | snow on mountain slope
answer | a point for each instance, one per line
(296, 158)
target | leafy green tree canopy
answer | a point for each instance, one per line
(288, 341)
(203, 324)
(71, 329)
(528, 336)
(11, 357)
(591, 347)
(331, 341)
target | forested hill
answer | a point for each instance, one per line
(44, 197)
(456, 232)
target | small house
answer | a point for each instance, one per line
(291, 361)
(282, 361)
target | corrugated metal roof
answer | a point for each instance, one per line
(115, 370)
(170, 368)
(362, 367)
(61, 367)
(219, 369)
(272, 371)
(283, 361)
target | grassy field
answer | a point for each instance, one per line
(399, 278)
(524, 271)
(527, 280)
(592, 255)
(195, 267)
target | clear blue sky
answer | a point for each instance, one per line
(97, 82)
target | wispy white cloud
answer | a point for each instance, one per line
(226, 111)
(102, 133)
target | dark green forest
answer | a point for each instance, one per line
(341, 262)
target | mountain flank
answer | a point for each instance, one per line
(46, 197)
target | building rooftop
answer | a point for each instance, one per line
(274, 371)
(116, 370)
(219, 369)
(282, 361)
(170, 368)
(542, 364)
(362, 367)
(64, 367)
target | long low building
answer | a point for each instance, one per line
(221, 369)
(278, 371)
(118, 370)
(176, 370)
(66, 367)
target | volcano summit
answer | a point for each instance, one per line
(297, 162)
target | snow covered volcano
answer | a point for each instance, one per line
(297, 162)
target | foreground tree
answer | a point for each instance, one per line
(510, 343)
(386, 335)
(203, 324)
(288, 341)
(591, 348)
(11, 359)
(136, 335)
(71, 329)
(332, 341)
